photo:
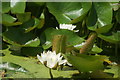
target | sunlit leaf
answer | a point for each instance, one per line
(30, 64)
(18, 6)
(72, 38)
(114, 70)
(8, 18)
(12, 66)
(97, 16)
(33, 43)
(112, 38)
(5, 7)
(95, 50)
(16, 36)
(42, 21)
(65, 12)
(104, 29)
(85, 63)
(64, 74)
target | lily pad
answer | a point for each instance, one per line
(72, 38)
(16, 36)
(18, 6)
(114, 70)
(30, 64)
(67, 12)
(85, 63)
(9, 20)
(64, 74)
(23, 17)
(112, 38)
(98, 14)
(5, 7)
(12, 66)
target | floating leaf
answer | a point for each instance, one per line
(16, 36)
(18, 6)
(114, 70)
(72, 38)
(98, 14)
(30, 24)
(65, 12)
(12, 66)
(95, 50)
(8, 18)
(64, 74)
(33, 43)
(23, 17)
(47, 44)
(104, 29)
(85, 63)
(42, 21)
(5, 7)
(112, 38)
(30, 64)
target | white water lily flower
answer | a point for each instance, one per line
(52, 59)
(68, 26)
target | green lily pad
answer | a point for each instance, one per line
(23, 17)
(17, 36)
(85, 63)
(5, 7)
(72, 38)
(9, 20)
(66, 12)
(30, 64)
(64, 74)
(18, 6)
(12, 66)
(98, 14)
(114, 70)
(30, 24)
(112, 38)
(95, 50)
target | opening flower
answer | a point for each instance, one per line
(51, 59)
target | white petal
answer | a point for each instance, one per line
(67, 26)
(69, 64)
(51, 63)
(40, 59)
(62, 62)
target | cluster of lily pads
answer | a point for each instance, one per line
(82, 38)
